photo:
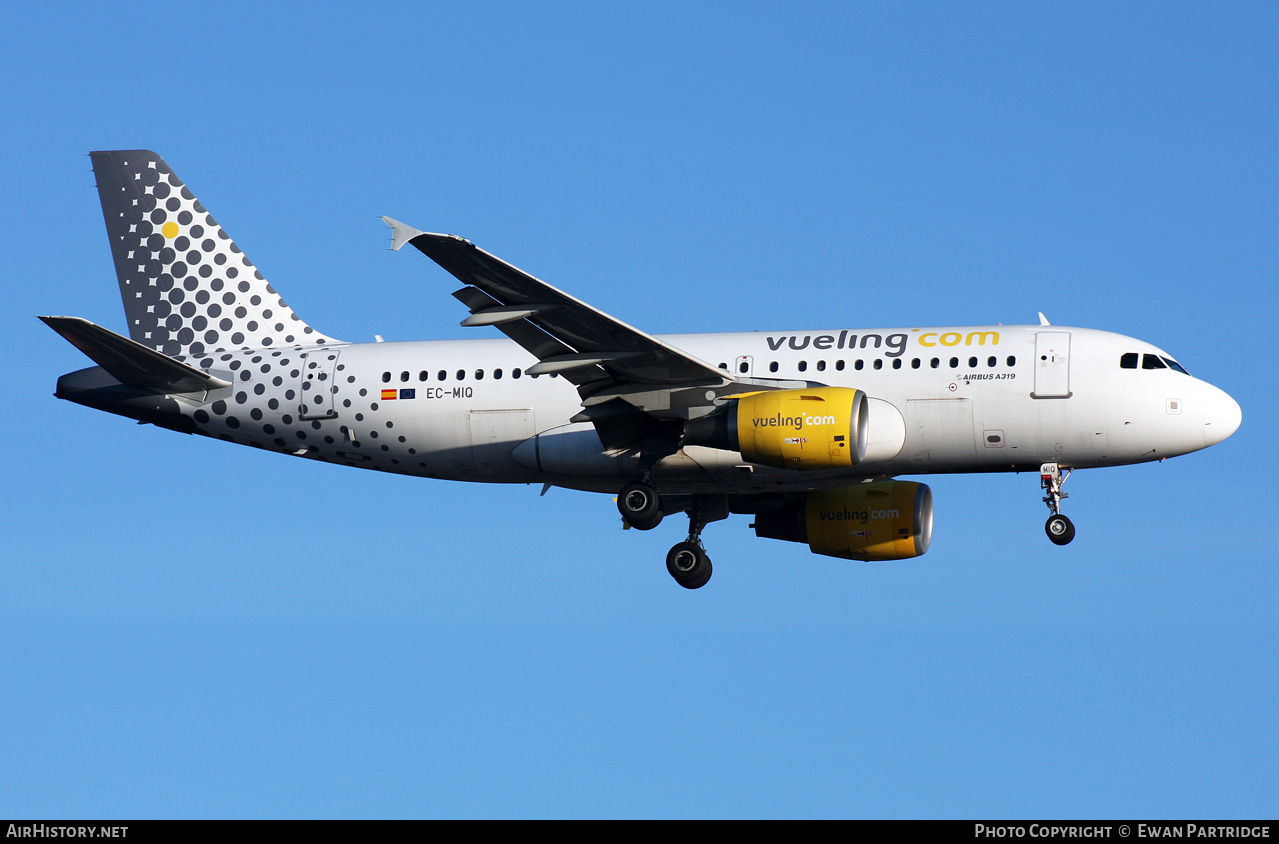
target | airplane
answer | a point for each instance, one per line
(806, 431)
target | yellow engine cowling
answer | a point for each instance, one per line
(888, 520)
(817, 428)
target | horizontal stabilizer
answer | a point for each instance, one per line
(130, 362)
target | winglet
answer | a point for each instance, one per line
(400, 233)
(1043, 320)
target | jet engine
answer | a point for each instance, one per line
(818, 428)
(887, 520)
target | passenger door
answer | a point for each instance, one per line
(1052, 365)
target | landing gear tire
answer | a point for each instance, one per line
(640, 506)
(648, 525)
(1059, 529)
(689, 565)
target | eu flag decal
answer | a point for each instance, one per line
(408, 394)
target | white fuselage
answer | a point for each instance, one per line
(958, 399)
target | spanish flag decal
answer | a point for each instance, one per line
(387, 395)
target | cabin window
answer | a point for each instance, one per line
(423, 375)
(914, 363)
(934, 363)
(772, 367)
(441, 375)
(858, 365)
(992, 360)
(879, 363)
(1012, 361)
(972, 363)
(743, 367)
(1152, 362)
(516, 373)
(497, 375)
(479, 375)
(803, 365)
(386, 378)
(1128, 360)
(404, 376)
(954, 363)
(821, 366)
(897, 363)
(461, 375)
(724, 367)
(839, 364)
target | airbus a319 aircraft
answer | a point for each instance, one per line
(805, 430)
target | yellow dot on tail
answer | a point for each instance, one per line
(170, 229)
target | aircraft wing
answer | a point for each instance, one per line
(606, 358)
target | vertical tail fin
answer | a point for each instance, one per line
(188, 290)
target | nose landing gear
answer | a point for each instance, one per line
(1060, 530)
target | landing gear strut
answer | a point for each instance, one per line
(1058, 527)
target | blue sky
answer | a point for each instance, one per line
(190, 629)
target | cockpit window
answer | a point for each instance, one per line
(1152, 362)
(1128, 360)
(1172, 364)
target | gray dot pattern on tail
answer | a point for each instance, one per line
(188, 289)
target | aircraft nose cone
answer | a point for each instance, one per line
(1223, 417)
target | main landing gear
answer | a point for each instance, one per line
(688, 564)
(641, 507)
(1058, 527)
